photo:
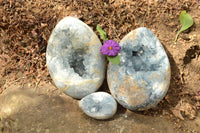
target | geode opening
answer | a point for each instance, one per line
(139, 61)
(134, 53)
(76, 61)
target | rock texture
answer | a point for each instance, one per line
(26, 110)
(99, 105)
(143, 76)
(74, 59)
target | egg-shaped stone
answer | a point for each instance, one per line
(73, 58)
(99, 105)
(142, 78)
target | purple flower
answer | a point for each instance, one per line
(110, 48)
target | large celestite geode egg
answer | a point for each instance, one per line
(74, 59)
(143, 76)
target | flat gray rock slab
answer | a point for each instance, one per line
(74, 59)
(143, 76)
(46, 110)
(99, 105)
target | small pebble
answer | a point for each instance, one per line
(99, 105)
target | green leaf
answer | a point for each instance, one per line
(115, 60)
(102, 33)
(186, 22)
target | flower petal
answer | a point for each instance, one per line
(110, 52)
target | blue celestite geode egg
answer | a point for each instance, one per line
(99, 105)
(143, 76)
(74, 59)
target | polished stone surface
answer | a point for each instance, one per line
(99, 105)
(143, 76)
(73, 58)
